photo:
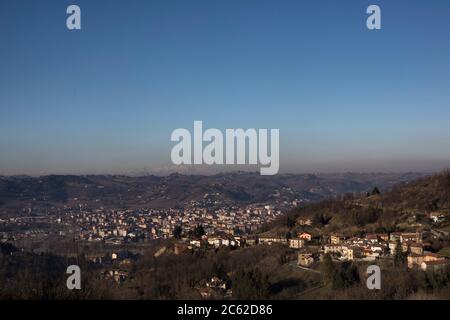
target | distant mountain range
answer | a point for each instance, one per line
(177, 190)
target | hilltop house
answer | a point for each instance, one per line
(305, 222)
(216, 283)
(373, 238)
(305, 236)
(411, 237)
(392, 247)
(271, 240)
(417, 260)
(434, 265)
(305, 259)
(336, 239)
(395, 236)
(296, 243)
(335, 248)
(416, 248)
(437, 217)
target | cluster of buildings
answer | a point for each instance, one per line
(215, 288)
(125, 225)
(374, 246)
(371, 246)
(140, 225)
(367, 248)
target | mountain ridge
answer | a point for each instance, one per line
(177, 189)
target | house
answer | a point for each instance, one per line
(383, 236)
(250, 242)
(417, 259)
(370, 255)
(416, 248)
(205, 293)
(336, 239)
(411, 237)
(377, 248)
(414, 260)
(395, 236)
(335, 248)
(305, 259)
(118, 276)
(353, 253)
(405, 246)
(434, 265)
(437, 217)
(413, 247)
(392, 247)
(305, 236)
(216, 242)
(269, 240)
(296, 243)
(305, 222)
(355, 240)
(373, 238)
(195, 243)
(216, 283)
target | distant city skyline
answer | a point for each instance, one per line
(106, 98)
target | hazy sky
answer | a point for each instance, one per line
(106, 98)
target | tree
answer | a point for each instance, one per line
(340, 276)
(345, 276)
(376, 191)
(361, 217)
(434, 205)
(199, 231)
(218, 270)
(290, 220)
(288, 235)
(399, 256)
(321, 219)
(250, 284)
(7, 248)
(327, 269)
(177, 232)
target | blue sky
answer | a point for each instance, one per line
(106, 99)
